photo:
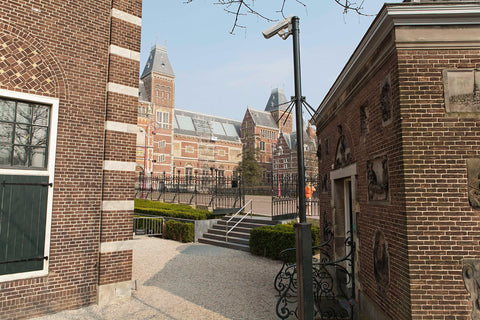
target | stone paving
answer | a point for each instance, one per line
(191, 281)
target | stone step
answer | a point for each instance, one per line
(222, 238)
(224, 244)
(243, 224)
(221, 228)
(236, 234)
(251, 219)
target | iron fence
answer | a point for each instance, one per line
(228, 192)
(147, 225)
(207, 191)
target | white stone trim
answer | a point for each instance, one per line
(119, 165)
(125, 205)
(120, 88)
(114, 292)
(121, 127)
(346, 172)
(115, 246)
(390, 16)
(126, 17)
(124, 52)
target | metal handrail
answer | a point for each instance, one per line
(240, 210)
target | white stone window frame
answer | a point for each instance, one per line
(49, 172)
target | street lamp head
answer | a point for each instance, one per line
(283, 29)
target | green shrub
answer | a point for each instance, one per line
(269, 241)
(170, 210)
(179, 231)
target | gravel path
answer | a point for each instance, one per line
(191, 281)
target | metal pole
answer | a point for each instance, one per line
(303, 229)
(144, 163)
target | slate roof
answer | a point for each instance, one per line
(206, 126)
(158, 62)
(142, 93)
(291, 140)
(263, 118)
(277, 101)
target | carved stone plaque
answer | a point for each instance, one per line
(471, 278)
(386, 100)
(461, 90)
(381, 261)
(473, 172)
(377, 179)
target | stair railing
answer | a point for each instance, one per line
(227, 231)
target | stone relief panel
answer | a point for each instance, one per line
(381, 261)
(343, 156)
(377, 179)
(462, 90)
(386, 100)
(473, 173)
(471, 278)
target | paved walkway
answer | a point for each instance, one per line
(191, 281)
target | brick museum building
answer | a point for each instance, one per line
(399, 138)
(68, 119)
(173, 141)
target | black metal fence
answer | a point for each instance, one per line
(285, 198)
(208, 191)
(228, 192)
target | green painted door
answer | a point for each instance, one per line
(23, 212)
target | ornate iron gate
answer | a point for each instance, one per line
(333, 281)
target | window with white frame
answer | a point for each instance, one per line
(161, 158)
(28, 130)
(162, 144)
(262, 145)
(163, 119)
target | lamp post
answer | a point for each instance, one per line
(144, 162)
(285, 28)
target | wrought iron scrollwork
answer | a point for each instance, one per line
(333, 281)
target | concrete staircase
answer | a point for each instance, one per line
(238, 238)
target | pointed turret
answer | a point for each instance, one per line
(277, 101)
(158, 63)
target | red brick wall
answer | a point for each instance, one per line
(116, 267)
(442, 227)
(63, 50)
(388, 217)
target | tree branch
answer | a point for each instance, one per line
(245, 7)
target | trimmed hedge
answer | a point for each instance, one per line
(269, 241)
(179, 231)
(170, 210)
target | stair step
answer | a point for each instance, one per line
(236, 234)
(257, 220)
(243, 224)
(222, 238)
(220, 228)
(224, 244)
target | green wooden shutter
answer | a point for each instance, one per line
(23, 212)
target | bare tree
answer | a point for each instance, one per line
(240, 8)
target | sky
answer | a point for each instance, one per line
(222, 74)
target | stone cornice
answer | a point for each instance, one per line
(374, 49)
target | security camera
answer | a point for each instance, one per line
(279, 29)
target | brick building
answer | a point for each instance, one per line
(285, 155)
(399, 149)
(171, 141)
(261, 129)
(68, 119)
